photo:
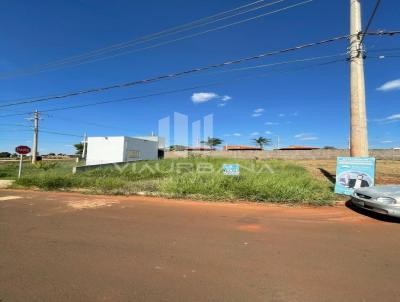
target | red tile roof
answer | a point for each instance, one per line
(241, 148)
(299, 148)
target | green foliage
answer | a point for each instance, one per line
(78, 149)
(42, 165)
(213, 142)
(262, 141)
(177, 148)
(197, 178)
(5, 154)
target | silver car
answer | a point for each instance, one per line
(383, 199)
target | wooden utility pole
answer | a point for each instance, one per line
(35, 136)
(358, 116)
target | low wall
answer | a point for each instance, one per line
(91, 167)
(388, 154)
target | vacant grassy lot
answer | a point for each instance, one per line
(387, 171)
(201, 178)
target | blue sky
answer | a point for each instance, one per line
(302, 105)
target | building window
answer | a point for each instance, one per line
(133, 154)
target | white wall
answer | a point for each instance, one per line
(148, 150)
(104, 150)
(114, 149)
(160, 140)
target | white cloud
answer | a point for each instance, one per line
(300, 135)
(309, 138)
(386, 142)
(268, 132)
(391, 85)
(259, 110)
(394, 117)
(270, 123)
(255, 133)
(389, 119)
(256, 114)
(281, 114)
(202, 97)
(233, 134)
(306, 137)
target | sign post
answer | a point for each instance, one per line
(20, 166)
(21, 150)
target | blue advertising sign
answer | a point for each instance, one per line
(353, 173)
(231, 169)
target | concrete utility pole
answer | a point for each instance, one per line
(358, 116)
(278, 141)
(84, 146)
(35, 136)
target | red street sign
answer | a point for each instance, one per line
(23, 150)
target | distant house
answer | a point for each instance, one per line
(199, 149)
(299, 148)
(241, 148)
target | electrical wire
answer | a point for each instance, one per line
(385, 49)
(285, 62)
(177, 90)
(85, 58)
(60, 133)
(176, 74)
(371, 18)
(75, 120)
(195, 34)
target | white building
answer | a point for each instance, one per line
(116, 149)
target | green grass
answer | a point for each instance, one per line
(196, 178)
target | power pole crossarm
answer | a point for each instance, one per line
(358, 116)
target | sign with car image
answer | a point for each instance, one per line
(354, 173)
(231, 169)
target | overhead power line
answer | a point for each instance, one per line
(75, 120)
(41, 130)
(60, 133)
(187, 72)
(133, 98)
(371, 18)
(196, 34)
(285, 62)
(102, 53)
(176, 74)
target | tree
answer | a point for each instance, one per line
(261, 141)
(213, 142)
(79, 149)
(5, 154)
(177, 148)
(329, 148)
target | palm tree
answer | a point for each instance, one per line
(212, 142)
(78, 149)
(261, 141)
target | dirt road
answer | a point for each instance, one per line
(72, 247)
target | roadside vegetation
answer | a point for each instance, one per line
(195, 178)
